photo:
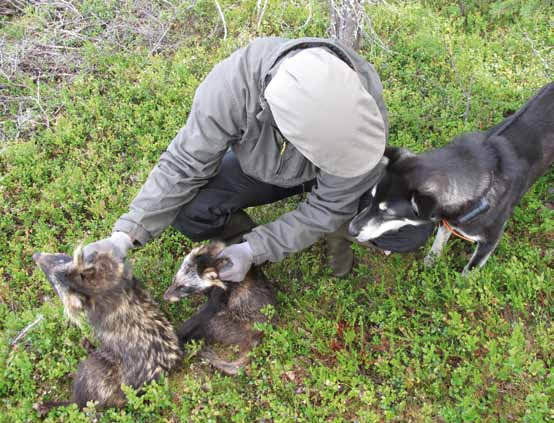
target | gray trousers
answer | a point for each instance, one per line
(229, 191)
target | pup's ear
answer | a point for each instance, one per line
(107, 271)
(222, 262)
(395, 154)
(214, 248)
(106, 263)
(79, 257)
(199, 251)
(85, 269)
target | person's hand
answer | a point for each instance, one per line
(240, 257)
(118, 244)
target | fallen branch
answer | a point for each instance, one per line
(157, 45)
(37, 100)
(222, 19)
(538, 55)
(26, 330)
(369, 32)
(260, 13)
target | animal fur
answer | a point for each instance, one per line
(473, 183)
(137, 343)
(232, 308)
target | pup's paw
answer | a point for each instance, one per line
(87, 345)
(430, 260)
(229, 368)
(42, 408)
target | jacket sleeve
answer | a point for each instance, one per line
(331, 203)
(192, 158)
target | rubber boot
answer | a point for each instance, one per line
(239, 224)
(339, 251)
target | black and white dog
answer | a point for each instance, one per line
(471, 185)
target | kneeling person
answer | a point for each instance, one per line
(277, 118)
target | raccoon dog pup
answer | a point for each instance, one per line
(232, 308)
(137, 343)
(471, 185)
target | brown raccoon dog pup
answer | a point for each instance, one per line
(232, 308)
(137, 343)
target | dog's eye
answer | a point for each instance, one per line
(415, 208)
(384, 207)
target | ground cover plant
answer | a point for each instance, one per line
(91, 93)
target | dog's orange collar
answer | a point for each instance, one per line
(455, 232)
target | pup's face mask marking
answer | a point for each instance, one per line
(198, 273)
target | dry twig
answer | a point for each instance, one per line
(222, 17)
(260, 13)
(537, 53)
(51, 50)
(26, 330)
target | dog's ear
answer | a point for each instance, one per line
(395, 154)
(429, 208)
(432, 186)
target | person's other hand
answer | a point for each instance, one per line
(119, 243)
(240, 257)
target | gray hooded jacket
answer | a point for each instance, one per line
(229, 111)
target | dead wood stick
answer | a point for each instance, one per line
(26, 330)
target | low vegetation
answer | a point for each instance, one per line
(91, 93)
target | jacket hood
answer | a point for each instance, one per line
(300, 44)
(321, 106)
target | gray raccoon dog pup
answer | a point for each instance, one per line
(137, 342)
(232, 308)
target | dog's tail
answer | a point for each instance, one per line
(539, 109)
(532, 124)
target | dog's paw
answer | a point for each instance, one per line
(430, 260)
